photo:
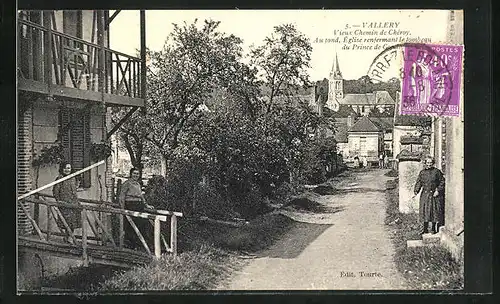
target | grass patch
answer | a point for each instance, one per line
(81, 278)
(392, 173)
(208, 255)
(422, 267)
(193, 270)
(324, 189)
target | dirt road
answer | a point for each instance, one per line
(344, 247)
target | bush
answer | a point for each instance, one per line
(320, 154)
(193, 270)
(156, 192)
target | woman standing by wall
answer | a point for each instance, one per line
(66, 192)
(431, 181)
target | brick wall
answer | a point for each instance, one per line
(24, 158)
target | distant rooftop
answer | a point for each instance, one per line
(364, 124)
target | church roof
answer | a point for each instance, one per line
(375, 98)
(335, 72)
(358, 99)
(364, 124)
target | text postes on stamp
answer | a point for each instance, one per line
(431, 79)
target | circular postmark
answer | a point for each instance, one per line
(427, 81)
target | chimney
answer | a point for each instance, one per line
(349, 121)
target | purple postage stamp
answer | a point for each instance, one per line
(431, 79)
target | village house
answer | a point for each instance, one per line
(366, 139)
(68, 78)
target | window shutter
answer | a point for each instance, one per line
(86, 148)
(80, 144)
(75, 140)
(64, 132)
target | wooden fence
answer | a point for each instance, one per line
(95, 228)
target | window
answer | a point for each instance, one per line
(74, 131)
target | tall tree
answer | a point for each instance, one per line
(283, 61)
(132, 135)
(193, 62)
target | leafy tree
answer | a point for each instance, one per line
(132, 134)
(181, 78)
(283, 61)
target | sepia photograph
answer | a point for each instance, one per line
(239, 150)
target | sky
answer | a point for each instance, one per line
(252, 26)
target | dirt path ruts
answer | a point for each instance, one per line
(330, 250)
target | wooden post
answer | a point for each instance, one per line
(48, 48)
(121, 227)
(49, 222)
(84, 239)
(36, 213)
(143, 56)
(105, 234)
(66, 226)
(173, 234)
(157, 238)
(92, 226)
(138, 233)
(26, 211)
(100, 42)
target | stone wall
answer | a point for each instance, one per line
(398, 132)
(408, 170)
(451, 145)
(452, 235)
(33, 267)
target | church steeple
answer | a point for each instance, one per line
(336, 89)
(336, 68)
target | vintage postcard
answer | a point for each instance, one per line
(163, 150)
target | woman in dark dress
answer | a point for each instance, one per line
(66, 192)
(431, 181)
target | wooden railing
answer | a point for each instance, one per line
(93, 218)
(75, 63)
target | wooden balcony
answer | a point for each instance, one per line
(59, 65)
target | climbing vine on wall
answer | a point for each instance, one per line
(100, 151)
(48, 156)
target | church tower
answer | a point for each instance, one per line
(336, 89)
